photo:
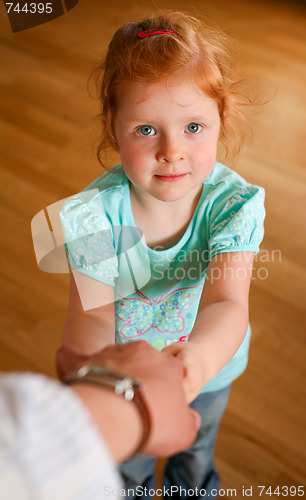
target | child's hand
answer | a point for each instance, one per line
(193, 368)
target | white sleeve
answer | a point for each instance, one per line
(49, 446)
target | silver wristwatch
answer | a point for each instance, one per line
(125, 386)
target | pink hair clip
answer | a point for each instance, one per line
(144, 34)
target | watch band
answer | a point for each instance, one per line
(125, 386)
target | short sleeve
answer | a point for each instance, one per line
(88, 238)
(238, 224)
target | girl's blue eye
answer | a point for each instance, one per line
(194, 128)
(146, 130)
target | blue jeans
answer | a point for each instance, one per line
(193, 469)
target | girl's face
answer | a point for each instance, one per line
(167, 135)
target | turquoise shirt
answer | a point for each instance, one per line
(157, 292)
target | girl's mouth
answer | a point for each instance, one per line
(170, 178)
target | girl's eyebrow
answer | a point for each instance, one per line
(197, 119)
(144, 118)
(136, 120)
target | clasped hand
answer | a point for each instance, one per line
(173, 424)
(193, 380)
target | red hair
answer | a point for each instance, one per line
(193, 49)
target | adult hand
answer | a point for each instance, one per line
(173, 424)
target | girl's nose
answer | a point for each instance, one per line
(169, 151)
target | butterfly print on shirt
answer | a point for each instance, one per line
(164, 313)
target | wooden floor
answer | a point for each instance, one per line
(47, 153)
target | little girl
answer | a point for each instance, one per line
(162, 245)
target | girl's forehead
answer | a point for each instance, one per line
(179, 92)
